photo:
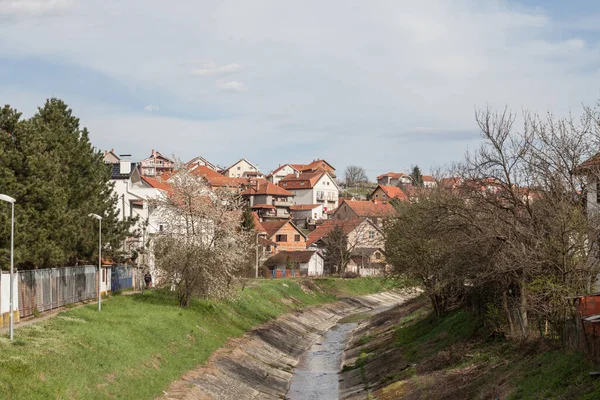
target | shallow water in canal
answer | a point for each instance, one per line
(317, 375)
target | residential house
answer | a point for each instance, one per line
(200, 162)
(242, 169)
(315, 166)
(429, 181)
(394, 179)
(375, 210)
(110, 157)
(269, 200)
(305, 216)
(281, 172)
(301, 263)
(313, 188)
(368, 262)
(266, 248)
(591, 170)
(156, 165)
(364, 239)
(387, 193)
(287, 235)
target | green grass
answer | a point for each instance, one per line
(532, 370)
(423, 335)
(139, 344)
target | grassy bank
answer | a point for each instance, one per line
(139, 344)
(454, 357)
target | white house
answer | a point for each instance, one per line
(313, 188)
(394, 179)
(308, 262)
(281, 172)
(241, 169)
(200, 162)
(156, 164)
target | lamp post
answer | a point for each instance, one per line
(99, 218)
(10, 200)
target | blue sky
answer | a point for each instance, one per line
(385, 85)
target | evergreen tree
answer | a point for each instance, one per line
(247, 220)
(416, 176)
(58, 178)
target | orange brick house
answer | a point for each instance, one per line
(285, 234)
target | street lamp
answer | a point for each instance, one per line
(10, 200)
(99, 218)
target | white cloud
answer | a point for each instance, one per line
(151, 108)
(211, 69)
(17, 8)
(233, 86)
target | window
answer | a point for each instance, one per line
(378, 256)
(302, 183)
(296, 238)
(281, 238)
(161, 228)
(268, 248)
(315, 215)
(238, 168)
(371, 235)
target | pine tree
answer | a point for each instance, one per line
(247, 220)
(58, 179)
(416, 176)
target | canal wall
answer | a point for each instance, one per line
(260, 364)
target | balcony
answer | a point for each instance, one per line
(320, 196)
(280, 203)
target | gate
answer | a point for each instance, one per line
(121, 278)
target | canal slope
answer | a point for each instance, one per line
(260, 365)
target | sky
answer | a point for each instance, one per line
(381, 84)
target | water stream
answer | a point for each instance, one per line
(317, 375)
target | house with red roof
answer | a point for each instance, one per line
(313, 188)
(364, 239)
(394, 179)
(295, 263)
(242, 169)
(285, 234)
(200, 162)
(281, 172)
(429, 181)
(156, 165)
(315, 166)
(306, 216)
(269, 200)
(386, 193)
(375, 210)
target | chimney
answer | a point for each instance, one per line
(125, 164)
(297, 173)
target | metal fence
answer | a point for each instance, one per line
(121, 278)
(45, 289)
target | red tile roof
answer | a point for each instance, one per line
(156, 183)
(393, 175)
(272, 227)
(323, 230)
(428, 178)
(224, 181)
(202, 170)
(372, 208)
(304, 181)
(267, 188)
(393, 192)
(592, 162)
(257, 224)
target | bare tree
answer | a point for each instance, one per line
(203, 244)
(355, 175)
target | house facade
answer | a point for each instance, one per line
(281, 172)
(269, 200)
(156, 165)
(306, 215)
(242, 168)
(313, 188)
(386, 193)
(285, 234)
(375, 210)
(306, 263)
(200, 162)
(394, 179)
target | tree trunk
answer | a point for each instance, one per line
(511, 324)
